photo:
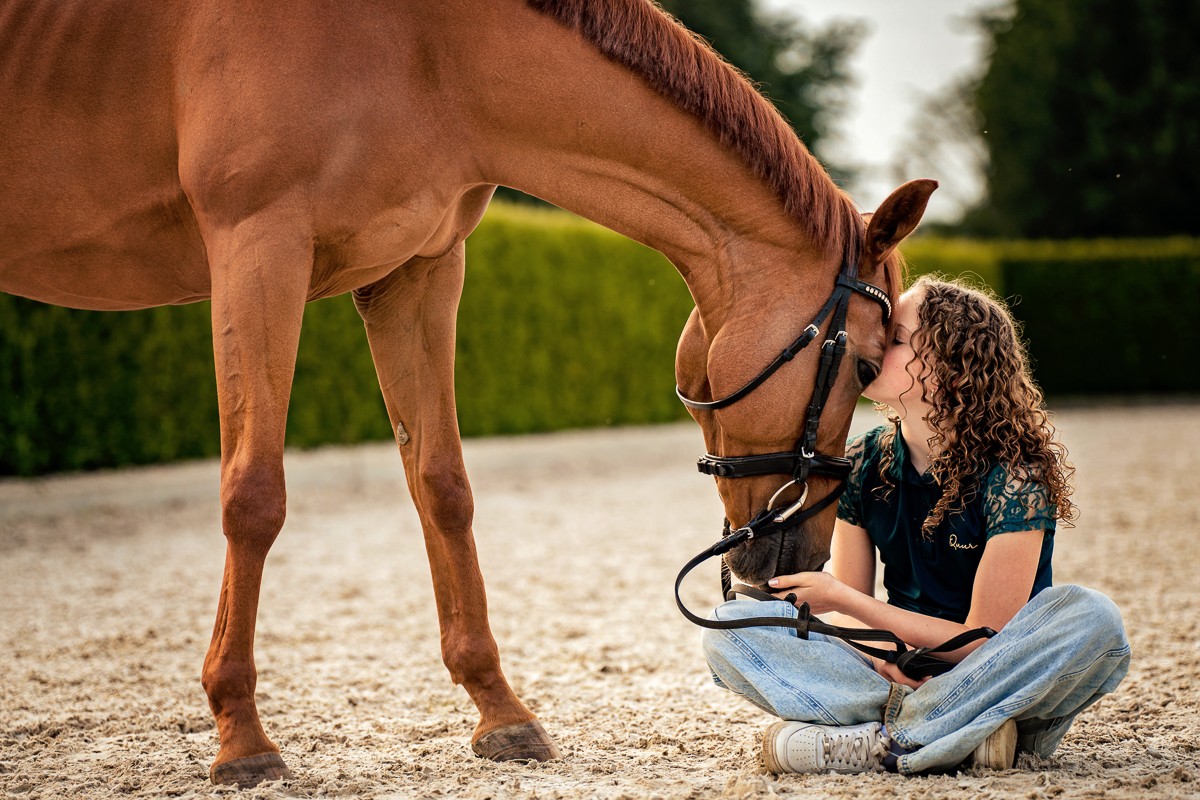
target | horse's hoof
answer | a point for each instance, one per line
(250, 772)
(526, 740)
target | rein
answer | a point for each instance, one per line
(916, 663)
(799, 464)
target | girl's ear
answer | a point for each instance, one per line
(895, 219)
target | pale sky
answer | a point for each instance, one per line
(913, 48)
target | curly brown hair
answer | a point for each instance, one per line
(986, 408)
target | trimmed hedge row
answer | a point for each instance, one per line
(1109, 317)
(973, 260)
(1115, 316)
(562, 324)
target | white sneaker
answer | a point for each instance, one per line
(999, 749)
(804, 747)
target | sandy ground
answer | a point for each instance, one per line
(108, 589)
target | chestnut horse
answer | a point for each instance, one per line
(267, 154)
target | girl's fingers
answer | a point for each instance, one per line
(893, 673)
(790, 581)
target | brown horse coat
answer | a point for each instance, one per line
(267, 154)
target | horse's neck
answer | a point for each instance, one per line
(559, 120)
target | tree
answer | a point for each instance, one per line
(1090, 112)
(801, 69)
(944, 140)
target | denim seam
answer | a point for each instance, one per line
(1010, 709)
(891, 714)
(765, 669)
(1119, 652)
(968, 680)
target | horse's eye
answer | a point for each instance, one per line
(867, 372)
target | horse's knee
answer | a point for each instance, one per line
(253, 503)
(445, 498)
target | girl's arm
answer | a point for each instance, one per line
(1005, 578)
(852, 557)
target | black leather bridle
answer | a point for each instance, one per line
(804, 460)
(800, 463)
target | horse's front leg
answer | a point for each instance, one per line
(410, 320)
(260, 274)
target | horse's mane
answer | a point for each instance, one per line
(685, 69)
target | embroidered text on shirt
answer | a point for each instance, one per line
(954, 543)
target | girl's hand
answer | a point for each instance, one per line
(823, 592)
(893, 674)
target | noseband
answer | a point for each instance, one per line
(799, 464)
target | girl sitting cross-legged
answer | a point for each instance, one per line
(959, 494)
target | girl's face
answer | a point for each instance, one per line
(897, 384)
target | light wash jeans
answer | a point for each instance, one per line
(1059, 654)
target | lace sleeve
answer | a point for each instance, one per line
(1016, 503)
(850, 503)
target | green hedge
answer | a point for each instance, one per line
(1109, 317)
(1115, 317)
(562, 324)
(975, 261)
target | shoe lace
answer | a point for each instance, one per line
(861, 749)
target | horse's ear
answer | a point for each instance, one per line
(895, 219)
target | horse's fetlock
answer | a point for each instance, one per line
(470, 660)
(228, 683)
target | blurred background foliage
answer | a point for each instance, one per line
(1084, 121)
(563, 324)
(801, 68)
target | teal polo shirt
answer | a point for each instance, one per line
(934, 576)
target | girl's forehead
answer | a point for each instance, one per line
(909, 303)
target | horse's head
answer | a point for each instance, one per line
(780, 415)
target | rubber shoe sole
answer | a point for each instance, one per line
(999, 749)
(769, 757)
